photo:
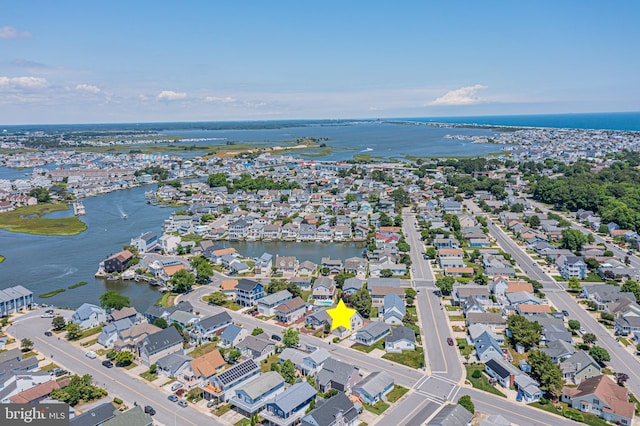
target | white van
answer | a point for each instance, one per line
(176, 386)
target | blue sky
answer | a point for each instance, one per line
(136, 61)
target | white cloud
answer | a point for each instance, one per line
(88, 88)
(23, 82)
(170, 95)
(10, 32)
(462, 96)
(225, 100)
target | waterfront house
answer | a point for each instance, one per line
(338, 411)
(88, 316)
(146, 242)
(267, 304)
(374, 387)
(286, 264)
(118, 262)
(212, 325)
(602, 397)
(14, 299)
(307, 268)
(337, 375)
(290, 406)
(157, 345)
(251, 396)
(401, 339)
(371, 333)
(220, 387)
(248, 292)
(232, 335)
(334, 265)
(291, 310)
(263, 264)
(238, 229)
(127, 312)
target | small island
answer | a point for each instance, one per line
(30, 220)
(1, 258)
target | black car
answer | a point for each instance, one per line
(149, 410)
(48, 333)
(565, 312)
(107, 363)
(276, 337)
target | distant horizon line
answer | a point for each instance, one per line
(317, 119)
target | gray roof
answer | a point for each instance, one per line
(275, 298)
(261, 384)
(158, 311)
(352, 284)
(182, 317)
(161, 340)
(231, 332)
(392, 300)
(214, 321)
(558, 348)
(325, 413)
(86, 309)
(519, 297)
(95, 416)
(293, 355)
(495, 420)
(607, 293)
(383, 282)
(246, 285)
(577, 362)
(133, 417)
(335, 371)
(374, 329)
(173, 361)
(254, 343)
(375, 383)
(10, 355)
(451, 415)
(294, 396)
(484, 342)
(400, 333)
(318, 356)
(12, 293)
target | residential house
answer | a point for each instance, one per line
(601, 396)
(183, 319)
(451, 258)
(572, 266)
(394, 309)
(334, 265)
(323, 291)
(88, 316)
(203, 368)
(602, 294)
(146, 242)
(248, 292)
(212, 325)
(356, 265)
(337, 375)
(267, 305)
(290, 406)
(157, 345)
(154, 312)
(578, 367)
(238, 229)
(476, 330)
(559, 350)
(228, 288)
(445, 243)
(110, 331)
(173, 365)
(221, 386)
(118, 262)
(338, 411)
(129, 339)
(374, 387)
(493, 320)
(307, 268)
(251, 396)
(372, 332)
(351, 285)
(256, 347)
(286, 264)
(378, 293)
(401, 339)
(303, 282)
(291, 310)
(271, 232)
(528, 388)
(125, 313)
(487, 347)
(14, 299)
(460, 293)
(502, 371)
(452, 415)
(232, 335)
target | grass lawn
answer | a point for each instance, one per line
(396, 393)
(222, 409)
(131, 366)
(49, 367)
(465, 348)
(202, 349)
(265, 365)
(148, 376)
(624, 341)
(29, 220)
(305, 295)
(589, 419)
(167, 299)
(373, 313)
(90, 332)
(90, 342)
(233, 306)
(29, 354)
(452, 308)
(168, 382)
(377, 409)
(413, 359)
(482, 383)
(517, 357)
(593, 277)
(456, 317)
(366, 349)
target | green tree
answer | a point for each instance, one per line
(400, 197)
(589, 338)
(523, 331)
(350, 198)
(275, 286)
(312, 382)
(41, 194)
(410, 292)
(58, 323)
(574, 284)
(465, 401)
(113, 300)
(574, 324)
(217, 179)
(218, 298)
(534, 221)
(632, 287)
(124, 358)
(288, 371)
(573, 239)
(386, 273)
(204, 270)
(160, 322)
(403, 246)
(546, 372)
(182, 281)
(599, 354)
(153, 368)
(290, 337)
(26, 344)
(361, 302)
(73, 331)
(257, 331)
(233, 356)
(445, 284)
(78, 389)
(431, 252)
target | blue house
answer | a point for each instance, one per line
(372, 333)
(290, 406)
(248, 292)
(372, 388)
(252, 395)
(110, 331)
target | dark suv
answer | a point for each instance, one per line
(149, 410)
(107, 363)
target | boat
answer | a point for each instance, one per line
(124, 215)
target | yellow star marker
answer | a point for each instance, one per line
(341, 316)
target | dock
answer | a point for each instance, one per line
(78, 208)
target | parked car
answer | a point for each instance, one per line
(107, 363)
(582, 330)
(182, 403)
(58, 372)
(48, 311)
(149, 410)
(449, 341)
(90, 354)
(176, 386)
(46, 316)
(276, 337)
(565, 312)
(48, 333)
(211, 404)
(172, 398)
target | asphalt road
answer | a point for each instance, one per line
(115, 380)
